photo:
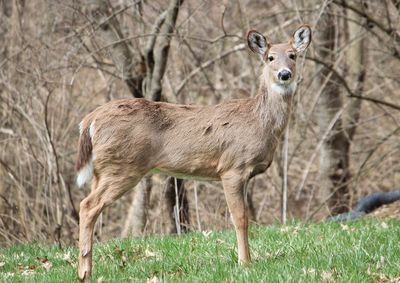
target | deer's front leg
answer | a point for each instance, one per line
(234, 188)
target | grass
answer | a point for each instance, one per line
(360, 251)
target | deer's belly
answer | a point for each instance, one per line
(194, 175)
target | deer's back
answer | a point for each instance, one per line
(188, 140)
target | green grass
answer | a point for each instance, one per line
(361, 251)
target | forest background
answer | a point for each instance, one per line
(59, 60)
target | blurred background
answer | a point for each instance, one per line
(59, 60)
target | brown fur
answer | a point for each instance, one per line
(84, 149)
(226, 142)
(195, 141)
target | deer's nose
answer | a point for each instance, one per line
(284, 75)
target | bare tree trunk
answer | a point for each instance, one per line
(335, 151)
(334, 159)
(356, 71)
(355, 74)
(131, 67)
(137, 215)
(175, 207)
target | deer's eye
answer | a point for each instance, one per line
(292, 56)
(271, 58)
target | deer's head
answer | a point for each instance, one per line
(280, 59)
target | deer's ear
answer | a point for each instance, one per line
(257, 42)
(301, 38)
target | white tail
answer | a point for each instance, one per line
(228, 142)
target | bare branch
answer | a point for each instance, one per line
(347, 87)
(377, 101)
(149, 51)
(132, 70)
(161, 51)
(390, 31)
(239, 47)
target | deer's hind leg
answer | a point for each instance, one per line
(105, 190)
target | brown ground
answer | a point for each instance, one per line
(390, 211)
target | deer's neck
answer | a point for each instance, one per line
(274, 105)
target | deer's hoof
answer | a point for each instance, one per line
(83, 276)
(245, 262)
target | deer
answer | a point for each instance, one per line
(123, 140)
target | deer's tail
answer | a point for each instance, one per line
(84, 162)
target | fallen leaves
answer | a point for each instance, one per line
(149, 253)
(67, 258)
(206, 234)
(153, 279)
(327, 276)
(122, 257)
(46, 264)
(294, 230)
(323, 276)
(309, 272)
(284, 229)
(381, 277)
(384, 225)
(347, 228)
(42, 262)
(380, 263)
(24, 270)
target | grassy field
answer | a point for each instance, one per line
(361, 251)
